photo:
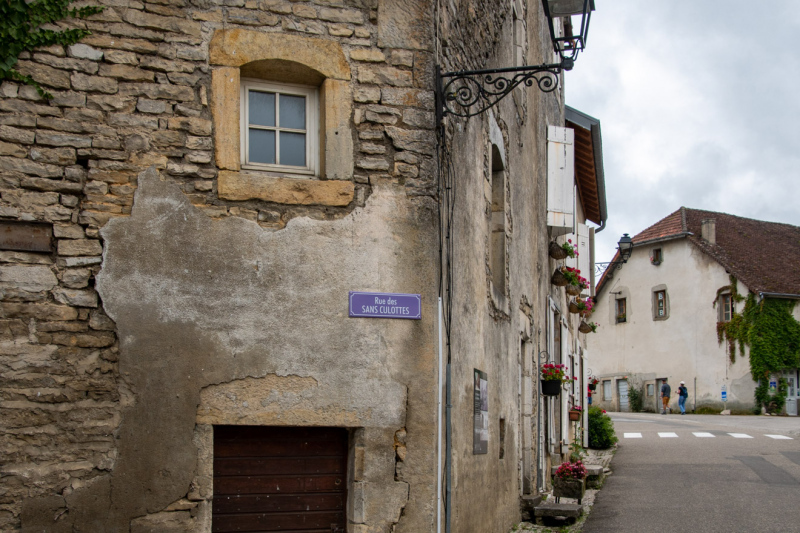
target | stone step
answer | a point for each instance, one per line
(567, 510)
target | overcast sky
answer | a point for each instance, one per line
(698, 102)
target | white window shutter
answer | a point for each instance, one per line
(560, 179)
(584, 253)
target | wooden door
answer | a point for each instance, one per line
(279, 479)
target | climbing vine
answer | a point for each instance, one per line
(21, 31)
(773, 336)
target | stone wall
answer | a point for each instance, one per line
(133, 95)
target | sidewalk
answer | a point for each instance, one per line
(593, 458)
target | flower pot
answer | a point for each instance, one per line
(559, 279)
(551, 388)
(574, 416)
(572, 290)
(593, 386)
(569, 488)
(573, 308)
(556, 251)
(585, 328)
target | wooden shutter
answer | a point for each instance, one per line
(560, 180)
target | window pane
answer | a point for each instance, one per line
(293, 149)
(261, 108)
(293, 112)
(262, 147)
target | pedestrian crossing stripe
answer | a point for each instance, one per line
(703, 435)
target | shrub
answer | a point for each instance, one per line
(636, 399)
(601, 429)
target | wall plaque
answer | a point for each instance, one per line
(385, 305)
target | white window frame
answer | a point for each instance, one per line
(606, 390)
(311, 95)
(723, 307)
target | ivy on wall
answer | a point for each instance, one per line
(771, 332)
(21, 31)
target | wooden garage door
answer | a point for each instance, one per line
(279, 479)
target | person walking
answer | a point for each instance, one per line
(665, 392)
(683, 393)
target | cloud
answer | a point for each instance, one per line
(696, 102)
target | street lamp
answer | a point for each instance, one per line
(625, 248)
(568, 45)
(467, 93)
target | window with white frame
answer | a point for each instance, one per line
(660, 305)
(607, 389)
(279, 127)
(725, 307)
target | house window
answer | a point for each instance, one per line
(725, 307)
(607, 389)
(660, 309)
(656, 258)
(621, 310)
(279, 127)
(650, 389)
(497, 245)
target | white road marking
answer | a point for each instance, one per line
(740, 435)
(632, 435)
(779, 437)
(668, 435)
(703, 435)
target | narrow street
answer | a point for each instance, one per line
(701, 473)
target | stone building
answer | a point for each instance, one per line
(688, 275)
(185, 223)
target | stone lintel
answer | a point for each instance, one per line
(242, 186)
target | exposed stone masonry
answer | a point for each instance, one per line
(135, 94)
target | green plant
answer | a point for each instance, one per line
(20, 31)
(636, 399)
(570, 249)
(773, 336)
(576, 449)
(601, 429)
(554, 372)
(571, 470)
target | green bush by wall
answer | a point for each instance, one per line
(601, 429)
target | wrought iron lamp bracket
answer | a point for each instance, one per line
(468, 93)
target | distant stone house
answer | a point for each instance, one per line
(659, 314)
(188, 226)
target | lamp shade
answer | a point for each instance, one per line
(566, 8)
(625, 247)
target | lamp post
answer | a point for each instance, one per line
(467, 93)
(625, 248)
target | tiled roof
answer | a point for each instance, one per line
(764, 256)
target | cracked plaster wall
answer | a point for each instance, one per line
(226, 322)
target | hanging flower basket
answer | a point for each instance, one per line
(559, 279)
(592, 386)
(556, 251)
(573, 308)
(573, 290)
(585, 328)
(574, 415)
(551, 388)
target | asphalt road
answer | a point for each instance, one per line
(683, 474)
